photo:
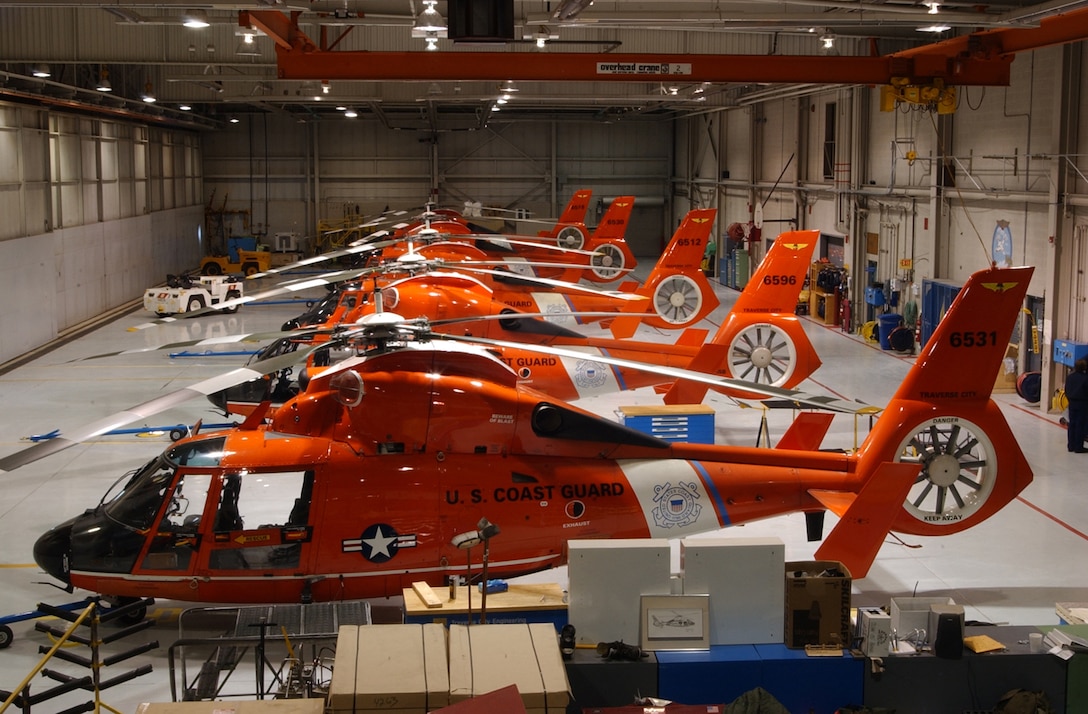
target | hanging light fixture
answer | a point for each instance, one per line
(351, 113)
(432, 40)
(934, 7)
(148, 95)
(195, 19)
(247, 47)
(104, 81)
(827, 40)
(40, 70)
(430, 20)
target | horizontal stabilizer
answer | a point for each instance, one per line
(861, 530)
(807, 431)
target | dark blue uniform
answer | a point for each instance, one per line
(1076, 391)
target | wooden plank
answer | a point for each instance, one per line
(426, 594)
(520, 597)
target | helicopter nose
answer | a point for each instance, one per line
(51, 551)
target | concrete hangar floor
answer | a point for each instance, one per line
(1011, 569)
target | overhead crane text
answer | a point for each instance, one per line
(671, 68)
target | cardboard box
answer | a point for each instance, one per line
(743, 577)
(874, 632)
(607, 579)
(910, 615)
(484, 658)
(342, 687)
(817, 603)
(398, 668)
(268, 706)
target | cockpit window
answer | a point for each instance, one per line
(203, 453)
(140, 498)
(138, 502)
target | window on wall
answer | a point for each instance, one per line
(829, 140)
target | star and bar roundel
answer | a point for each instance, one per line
(378, 543)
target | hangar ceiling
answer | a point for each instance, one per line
(327, 59)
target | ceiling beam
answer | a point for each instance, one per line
(1060, 29)
(589, 67)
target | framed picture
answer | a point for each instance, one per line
(675, 622)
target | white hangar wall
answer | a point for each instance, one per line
(95, 211)
(915, 194)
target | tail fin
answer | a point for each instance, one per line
(761, 339)
(941, 421)
(609, 242)
(679, 292)
(573, 216)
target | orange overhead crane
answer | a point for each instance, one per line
(981, 58)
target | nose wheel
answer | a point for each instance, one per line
(762, 353)
(959, 469)
(677, 300)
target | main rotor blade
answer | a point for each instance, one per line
(798, 397)
(210, 341)
(534, 315)
(560, 285)
(159, 404)
(333, 255)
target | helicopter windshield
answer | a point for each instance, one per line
(139, 500)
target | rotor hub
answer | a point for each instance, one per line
(677, 299)
(762, 356)
(943, 470)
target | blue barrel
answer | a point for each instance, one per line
(888, 323)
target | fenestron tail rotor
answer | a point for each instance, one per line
(677, 299)
(762, 353)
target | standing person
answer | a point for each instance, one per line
(1076, 391)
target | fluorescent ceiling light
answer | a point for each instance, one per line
(935, 28)
(195, 19)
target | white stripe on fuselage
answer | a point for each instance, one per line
(672, 496)
(519, 265)
(557, 308)
(589, 377)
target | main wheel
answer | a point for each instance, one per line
(195, 303)
(250, 269)
(211, 268)
(6, 637)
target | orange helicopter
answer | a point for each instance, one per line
(679, 293)
(760, 340)
(604, 252)
(368, 480)
(599, 256)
